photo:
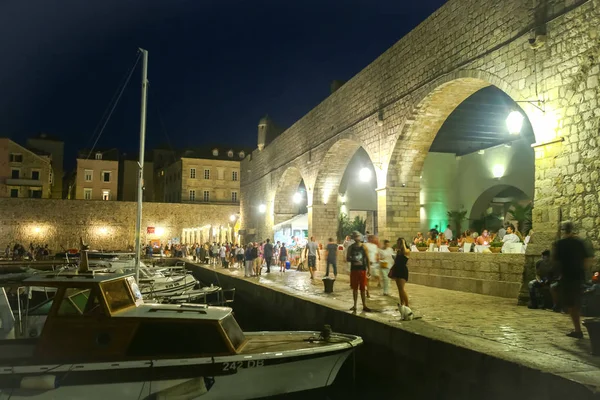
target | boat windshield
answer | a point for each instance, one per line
(117, 295)
(233, 331)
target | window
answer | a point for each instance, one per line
(14, 192)
(14, 157)
(242, 154)
(215, 152)
(87, 194)
(193, 173)
(230, 154)
(234, 197)
(234, 176)
(35, 193)
(51, 177)
(15, 174)
(106, 176)
(35, 175)
(206, 196)
(207, 174)
(106, 195)
(220, 174)
(192, 195)
(98, 156)
(88, 175)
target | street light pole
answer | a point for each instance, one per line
(138, 221)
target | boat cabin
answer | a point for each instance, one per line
(102, 317)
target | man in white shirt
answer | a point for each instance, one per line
(448, 233)
(510, 237)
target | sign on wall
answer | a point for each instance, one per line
(150, 229)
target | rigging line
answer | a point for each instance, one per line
(95, 131)
(115, 104)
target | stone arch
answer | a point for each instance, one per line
(433, 104)
(481, 204)
(324, 209)
(283, 206)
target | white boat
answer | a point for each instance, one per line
(100, 340)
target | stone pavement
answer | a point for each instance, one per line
(491, 325)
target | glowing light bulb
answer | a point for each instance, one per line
(514, 122)
(364, 174)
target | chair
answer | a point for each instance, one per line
(512, 248)
(467, 247)
(444, 248)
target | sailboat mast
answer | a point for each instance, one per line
(138, 220)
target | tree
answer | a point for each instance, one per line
(457, 217)
(523, 215)
(346, 227)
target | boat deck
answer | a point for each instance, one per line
(274, 342)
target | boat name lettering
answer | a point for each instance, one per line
(233, 366)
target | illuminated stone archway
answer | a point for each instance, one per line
(284, 206)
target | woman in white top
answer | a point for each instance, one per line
(372, 246)
(386, 260)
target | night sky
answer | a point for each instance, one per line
(215, 68)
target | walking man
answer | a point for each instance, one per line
(268, 254)
(571, 255)
(312, 249)
(331, 257)
(359, 269)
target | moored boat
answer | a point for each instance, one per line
(99, 339)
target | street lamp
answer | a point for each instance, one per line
(262, 208)
(364, 174)
(297, 197)
(514, 122)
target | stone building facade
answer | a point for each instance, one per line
(97, 176)
(106, 225)
(544, 55)
(56, 148)
(24, 173)
(128, 180)
(204, 177)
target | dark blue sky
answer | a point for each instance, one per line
(216, 66)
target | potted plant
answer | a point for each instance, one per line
(453, 246)
(422, 246)
(496, 246)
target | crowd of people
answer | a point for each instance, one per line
(442, 241)
(18, 252)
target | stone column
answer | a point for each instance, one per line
(398, 212)
(323, 222)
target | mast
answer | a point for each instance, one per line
(138, 221)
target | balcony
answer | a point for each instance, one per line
(23, 182)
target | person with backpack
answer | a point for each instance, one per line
(360, 269)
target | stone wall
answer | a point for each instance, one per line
(103, 224)
(395, 106)
(491, 274)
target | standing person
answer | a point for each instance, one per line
(268, 254)
(386, 260)
(373, 253)
(359, 269)
(282, 257)
(399, 271)
(223, 255)
(331, 257)
(257, 261)
(448, 233)
(312, 249)
(571, 255)
(249, 261)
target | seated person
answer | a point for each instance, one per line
(484, 239)
(442, 241)
(544, 276)
(419, 238)
(432, 239)
(510, 237)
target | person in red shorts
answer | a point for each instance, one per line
(359, 269)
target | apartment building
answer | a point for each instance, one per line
(204, 176)
(24, 172)
(128, 179)
(97, 175)
(56, 148)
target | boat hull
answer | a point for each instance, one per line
(242, 376)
